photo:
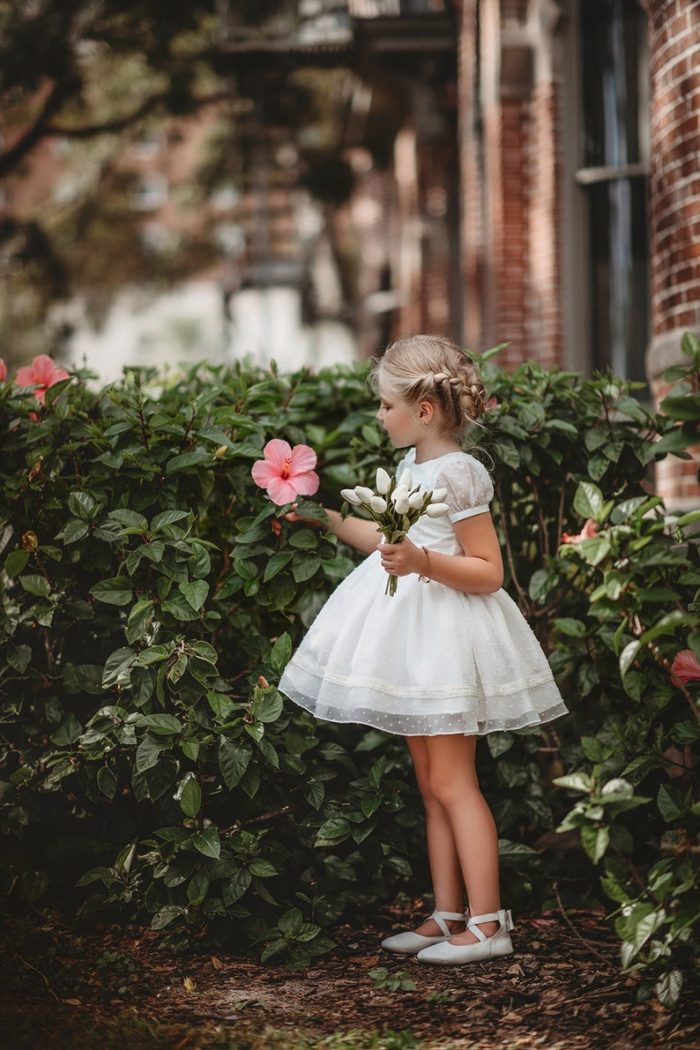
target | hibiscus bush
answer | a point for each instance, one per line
(152, 594)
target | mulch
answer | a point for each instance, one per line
(560, 990)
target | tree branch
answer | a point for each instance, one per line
(11, 157)
(84, 131)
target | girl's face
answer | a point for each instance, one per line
(398, 418)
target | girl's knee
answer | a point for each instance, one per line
(446, 788)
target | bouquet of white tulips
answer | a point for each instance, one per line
(395, 507)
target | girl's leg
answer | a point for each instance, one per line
(448, 884)
(453, 781)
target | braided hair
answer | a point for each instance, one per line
(419, 367)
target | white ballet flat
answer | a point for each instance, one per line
(410, 943)
(499, 943)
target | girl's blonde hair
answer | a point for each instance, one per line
(430, 366)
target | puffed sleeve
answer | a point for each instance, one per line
(469, 487)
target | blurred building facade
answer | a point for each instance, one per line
(500, 171)
(580, 186)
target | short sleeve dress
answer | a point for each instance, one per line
(431, 659)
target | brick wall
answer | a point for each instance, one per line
(510, 168)
(674, 56)
(674, 48)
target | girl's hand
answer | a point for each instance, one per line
(401, 559)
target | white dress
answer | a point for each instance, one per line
(430, 659)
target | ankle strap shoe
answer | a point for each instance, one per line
(410, 943)
(497, 944)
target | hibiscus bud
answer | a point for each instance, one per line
(438, 495)
(263, 682)
(383, 481)
(400, 492)
(436, 510)
(220, 452)
(30, 541)
(350, 496)
(401, 505)
(416, 500)
(378, 504)
(363, 493)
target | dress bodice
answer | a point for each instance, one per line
(469, 491)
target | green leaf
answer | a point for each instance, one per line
(236, 886)
(281, 652)
(68, 731)
(106, 781)
(276, 563)
(148, 752)
(114, 591)
(195, 592)
(166, 915)
(669, 987)
(575, 782)
(117, 668)
(36, 585)
(262, 868)
(130, 519)
(162, 725)
(670, 804)
(269, 708)
(82, 505)
(571, 627)
(16, 561)
(74, 531)
(189, 795)
(304, 567)
(205, 652)
(332, 832)
(139, 618)
(188, 459)
(207, 842)
(233, 761)
(305, 539)
(595, 841)
(588, 501)
(168, 517)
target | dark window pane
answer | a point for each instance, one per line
(619, 275)
(612, 49)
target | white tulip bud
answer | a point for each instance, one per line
(406, 477)
(383, 481)
(400, 492)
(416, 500)
(401, 505)
(436, 510)
(378, 504)
(351, 496)
(438, 495)
(363, 493)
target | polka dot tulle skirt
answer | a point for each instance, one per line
(429, 660)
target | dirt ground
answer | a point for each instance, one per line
(560, 990)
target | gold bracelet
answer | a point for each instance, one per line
(421, 577)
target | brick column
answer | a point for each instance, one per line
(674, 59)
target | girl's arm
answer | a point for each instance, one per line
(357, 532)
(479, 570)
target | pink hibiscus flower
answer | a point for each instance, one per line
(42, 373)
(588, 532)
(3, 371)
(685, 667)
(286, 472)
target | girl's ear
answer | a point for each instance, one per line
(425, 411)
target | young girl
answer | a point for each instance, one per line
(447, 659)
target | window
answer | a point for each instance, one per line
(611, 173)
